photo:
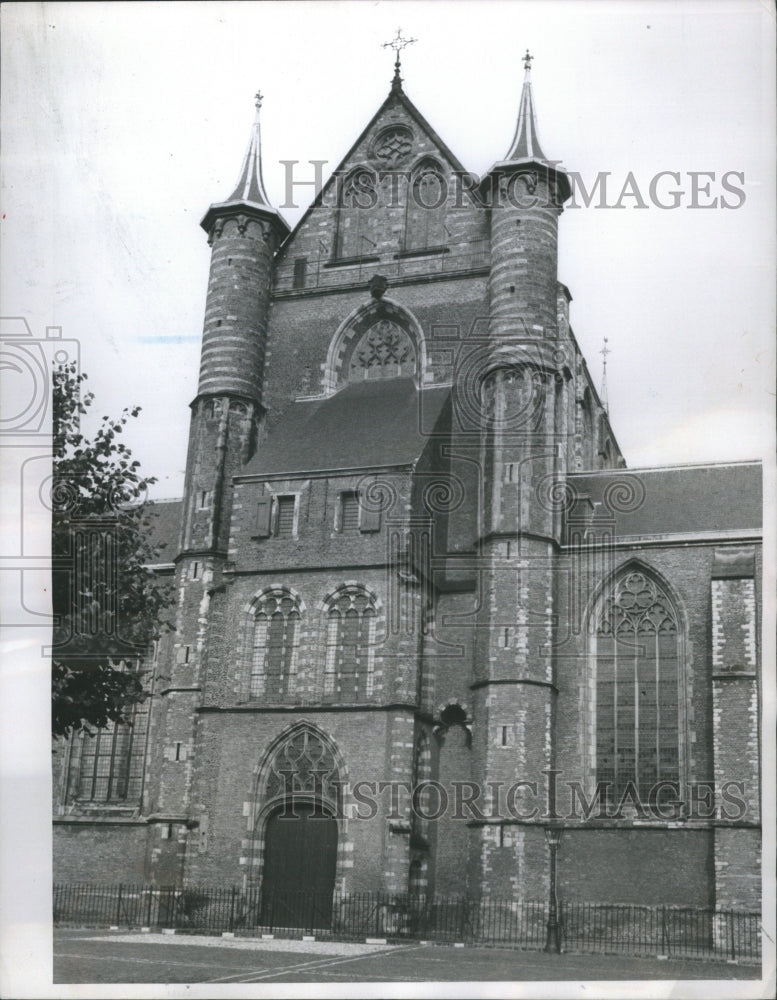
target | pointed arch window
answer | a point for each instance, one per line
(356, 234)
(638, 668)
(426, 208)
(350, 645)
(274, 639)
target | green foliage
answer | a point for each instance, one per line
(107, 604)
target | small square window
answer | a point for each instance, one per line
(284, 516)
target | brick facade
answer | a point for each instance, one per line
(448, 628)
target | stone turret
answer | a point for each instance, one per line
(525, 398)
(244, 232)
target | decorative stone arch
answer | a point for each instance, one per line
(453, 712)
(270, 791)
(357, 327)
(606, 590)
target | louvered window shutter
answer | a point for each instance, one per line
(263, 508)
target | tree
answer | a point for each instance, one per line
(107, 603)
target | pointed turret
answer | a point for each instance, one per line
(249, 191)
(526, 143)
(245, 232)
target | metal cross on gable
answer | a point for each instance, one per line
(397, 44)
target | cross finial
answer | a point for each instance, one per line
(397, 44)
(527, 60)
(258, 99)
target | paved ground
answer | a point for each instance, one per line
(111, 957)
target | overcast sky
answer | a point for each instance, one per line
(123, 122)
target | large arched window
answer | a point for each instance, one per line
(637, 648)
(107, 766)
(274, 641)
(426, 204)
(350, 645)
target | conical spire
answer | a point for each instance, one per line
(526, 143)
(250, 186)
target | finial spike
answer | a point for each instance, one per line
(527, 61)
(603, 393)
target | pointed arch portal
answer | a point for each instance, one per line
(297, 809)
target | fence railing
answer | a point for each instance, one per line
(681, 932)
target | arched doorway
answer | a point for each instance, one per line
(300, 860)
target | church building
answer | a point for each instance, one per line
(425, 614)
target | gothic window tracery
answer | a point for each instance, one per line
(274, 631)
(393, 146)
(350, 645)
(303, 764)
(384, 351)
(637, 686)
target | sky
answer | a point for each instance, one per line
(123, 122)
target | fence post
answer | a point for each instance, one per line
(148, 915)
(733, 944)
(665, 947)
(232, 911)
(118, 907)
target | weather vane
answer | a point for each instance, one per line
(258, 99)
(397, 44)
(527, 60)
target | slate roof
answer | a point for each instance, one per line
(165, 517)
(366, 424)
(679, 499)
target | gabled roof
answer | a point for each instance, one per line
(677, 500)
(397, 97)
(366, 425)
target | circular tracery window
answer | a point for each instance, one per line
(393, 145)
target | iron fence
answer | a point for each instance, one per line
(680, 932)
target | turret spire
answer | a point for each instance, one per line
(250, 185)
(397, 44)
(526, 143)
